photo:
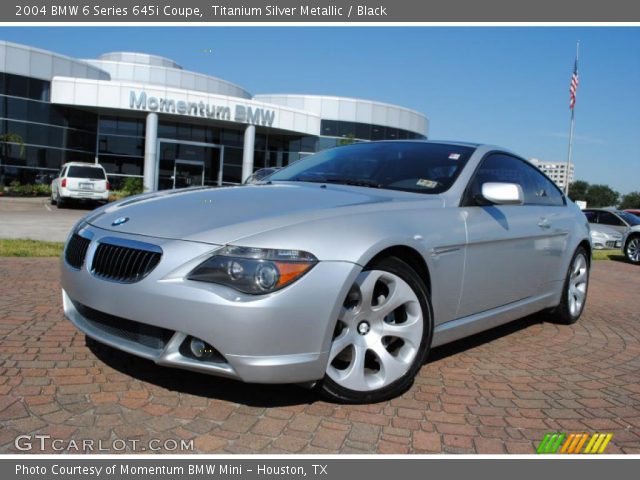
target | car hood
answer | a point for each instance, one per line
(225, 215)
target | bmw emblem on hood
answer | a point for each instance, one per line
(119, 221)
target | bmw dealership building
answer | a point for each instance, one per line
(144, 116)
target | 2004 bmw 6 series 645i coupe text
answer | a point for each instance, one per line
(342, 269)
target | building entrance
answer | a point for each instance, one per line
(189, 164)
(188, 173)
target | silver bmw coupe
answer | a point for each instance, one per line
(342, 270)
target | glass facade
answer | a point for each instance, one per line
(121, 147)
(37, 137)
(365, 131)
(274, 150)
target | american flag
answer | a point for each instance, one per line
(573, 87)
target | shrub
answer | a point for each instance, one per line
(15, 189)
(132, 186)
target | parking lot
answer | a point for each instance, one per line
(36, 219)
(498, 392)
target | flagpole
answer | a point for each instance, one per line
(571, 128)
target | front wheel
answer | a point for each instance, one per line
(574, 293)
(632, 250)
(381, 337)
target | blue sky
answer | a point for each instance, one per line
(502, 85)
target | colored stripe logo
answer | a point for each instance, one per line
(559, 442)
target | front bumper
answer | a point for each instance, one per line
(614, 244)
(601, 244)
(283, 337)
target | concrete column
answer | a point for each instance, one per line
(247, 154)
(151, 153)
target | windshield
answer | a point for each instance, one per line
(408, 166)
(629, 218)
(76, 171)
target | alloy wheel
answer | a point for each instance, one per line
(378, 333)
(633, 250)
(578, 284)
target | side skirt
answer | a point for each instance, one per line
(476, 323)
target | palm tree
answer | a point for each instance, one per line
(7, 139)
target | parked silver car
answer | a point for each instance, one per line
(625, 223)
(343, 269)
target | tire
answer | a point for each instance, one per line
(60, 203)
(382, 336)
(632, 249)
(575, 289)
(52, 200)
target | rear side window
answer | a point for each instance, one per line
(94, 173)
(503, 168)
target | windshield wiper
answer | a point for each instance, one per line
(341, 181)
(355, 182)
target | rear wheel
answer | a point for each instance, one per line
(632, 249)
(381, 337)
(60, 203)
(574, 293)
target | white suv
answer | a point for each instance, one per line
(79, 181)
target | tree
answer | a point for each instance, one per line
(594, 195)
(601, 196)
(578, 190)
(630, 200)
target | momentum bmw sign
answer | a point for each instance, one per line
(241, 113)
(189, 105)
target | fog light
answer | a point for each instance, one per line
(199, 348)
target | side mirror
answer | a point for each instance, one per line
(503, 193)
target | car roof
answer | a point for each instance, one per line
(82, 164)
(601, 209)
(436, 142)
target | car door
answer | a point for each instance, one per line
(508, 246)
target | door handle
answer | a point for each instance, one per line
(544, 223)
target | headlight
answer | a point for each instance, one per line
(254, 270)
(598, 235)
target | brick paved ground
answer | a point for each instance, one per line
(498, 392)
